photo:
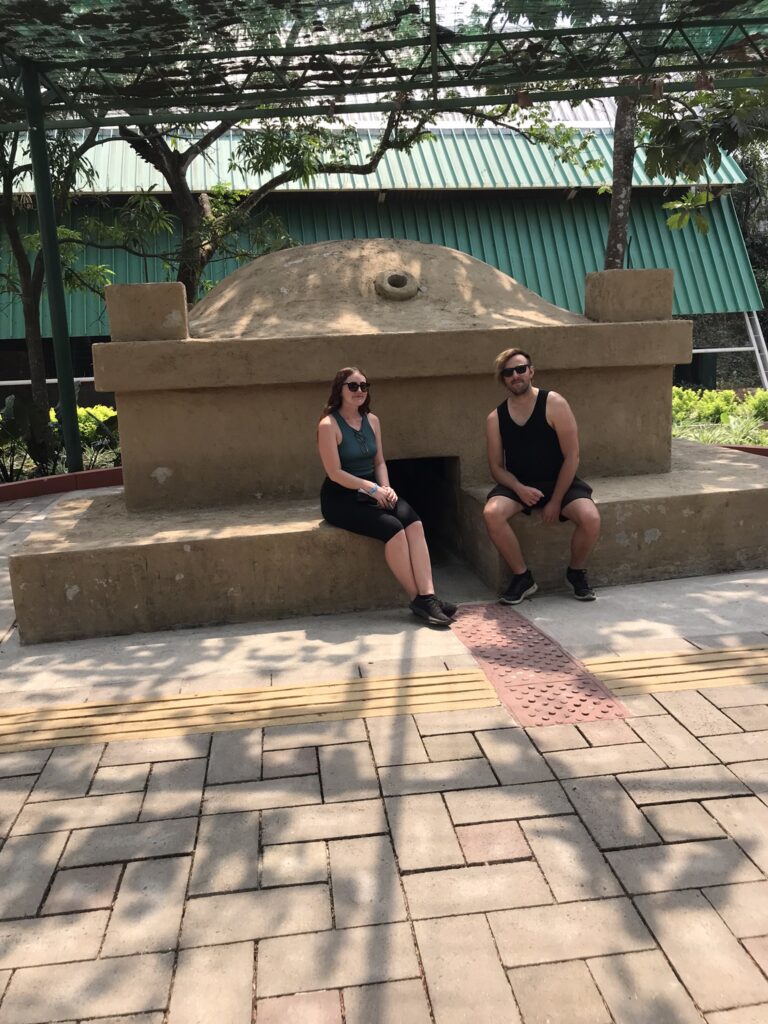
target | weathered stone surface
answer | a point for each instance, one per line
(130, 842)
(677, 823)
(696, 713)
(472, 890)
(492, 841)
(235, 756)
(743, 746)
(304, 1008)
(347, 772)
(507, 802)
(755, 775)
(608, 734)
(744, 908)
(431, 723)
(747, 821)
(169, 748)
(436, 777)
(556, 737)
(366, 884)
(213, 984)
(326, 821)
(678, 784)
(422, 832)
(609, 814)
(674, 744)
(255, 796)
(574, 764)
(86, 812)
(13, 793)
(226, 854)
(83, 889)
(396, 740)
(26, 762)
(572, 864)
(122, 778)
(278, 764)
(513, 757)
(453, 746)
(239, 916)
(294, 864)
(148, 908)
(175, 790)
(49, 940)
(317, 734)
(742, 1015)
(68, 772)
(393, 1002)
(640, 987)
(558, 994)
(26, 866)
(682, 866)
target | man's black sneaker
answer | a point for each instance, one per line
(427, 607)
(448, 607)
(522, 586)
(581, 588)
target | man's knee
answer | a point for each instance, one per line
(495, 515)
(585, 515)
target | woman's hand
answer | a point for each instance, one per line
(390, 496)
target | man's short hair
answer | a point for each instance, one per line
(503, 357)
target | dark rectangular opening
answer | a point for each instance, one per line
(431, 487)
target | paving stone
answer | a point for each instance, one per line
(677, 823)
(507, 802)
(681, 784)
(742, 1015)
(708, 959)
(475, 890)
(123, 778)
(130, 842)
(148, 908)
(674, 744)
(641, 987)
(13, 793)
(744, 908)
(556, 737)
(758, 950)
(83, 812)
(254, 796)
(608, 734)
(347, 772)
(214, 984)
(28, 762)
(464, 977)
(572, 864)
(513, 757)
(278, 764)
(737, 696)
(573, 764)
(169, 748)
(755, 775)
(394, 1002)
(366, 885)
(26, 867)
(640, 704)
(92, 989)
(431, 723)
(294, 864)
(395, 740)
(493, 841)
(235, 756)
(318, 734)
(5, 977)
(724, 641)
(68, 772)
(752, 718)
(83, 889)
(696, 713)
(324, 821)
(746, 820)
(439, 776)
(51, 940)
(568, 931)
(175, 790)
(306, 1008)
(226, 854)
(453, 746)
(558, 994)
(333, 959)
(133, 1018)
(422, 832)
(238, 916)
(682, 866)
(609, 814)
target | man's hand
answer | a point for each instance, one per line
(551, 512)
(528, 495)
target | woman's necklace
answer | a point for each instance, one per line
(358, 435)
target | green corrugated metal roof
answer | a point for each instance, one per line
(546, 243)
(457, 158)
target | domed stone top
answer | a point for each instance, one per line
(368, 286)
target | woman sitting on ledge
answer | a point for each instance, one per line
(356, 495)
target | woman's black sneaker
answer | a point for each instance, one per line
(427, 607)
(581, 588)
(448, 607)
(522, 586)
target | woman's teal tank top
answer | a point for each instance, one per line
(357, 447)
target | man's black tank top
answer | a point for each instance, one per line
(532, 452)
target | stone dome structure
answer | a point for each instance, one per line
(368, 286)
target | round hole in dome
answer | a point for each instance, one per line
(397, 280)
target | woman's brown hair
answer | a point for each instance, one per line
(334, 399)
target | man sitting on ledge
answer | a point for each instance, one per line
(533, 453)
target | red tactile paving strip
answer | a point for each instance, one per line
(535, 678)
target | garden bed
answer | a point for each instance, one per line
(61, 482)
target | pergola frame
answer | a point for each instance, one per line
(58, 77)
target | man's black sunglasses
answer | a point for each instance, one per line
(354, 386)
(509, 371)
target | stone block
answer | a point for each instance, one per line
(746, 820)
(366, 884)
(507, 802)
(326, 821)
(641, 987)
(492, 841)
(336, 958)
(741, 1015)
(294, 864)
(640, 704)
(318, 734)
(752, 718)
(574, 764)
(347, 772)
(68, 772)
(122, 778)
(148, 908)
(13, 794)
(619, 296)
(422, 832)
(513, 757)
(568, 931)
(235, 756)
(696, 713)
(26, 867)
(744, 908)
(97, 988)
(130, 842)
(214, 984)
(743, 746)
(706, 957)
(226, 853)
(608, 734)
(305, 1008)
(395, 740)
(453, 746)
(572, 864)
(254, 796)
(51, 940)
(475, 890)
(83, 889)
(675, 785)
(755, 775)
(679, 823)
(278, 764)
(240, 916)
(556, 737)
(674, 744)
(682, 866)
(409, 779)
(169, 748)
(84, 812)
(147, 312)
(611, 817)
(558, 994)
(737, 696)
(431, 723)
(25, 762)
(464, 977)
(394, 1002)
(175, 790)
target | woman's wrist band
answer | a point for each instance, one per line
(375, 488)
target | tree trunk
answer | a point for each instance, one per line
(623, 164)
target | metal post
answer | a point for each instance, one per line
(49, 242)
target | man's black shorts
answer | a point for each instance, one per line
(578, 489)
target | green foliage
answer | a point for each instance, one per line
(21, 446)
(691, 205)
(702, 406)
(740, 428)
(720, 417)
(301, 147)
(21, 429)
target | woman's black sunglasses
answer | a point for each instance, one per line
(509, 371)
(354, 386)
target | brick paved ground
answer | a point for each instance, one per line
(446, 867)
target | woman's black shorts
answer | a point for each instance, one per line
(341, 507)
(578, 489)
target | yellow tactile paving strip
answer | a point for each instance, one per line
(28, 729)
(681, 671)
